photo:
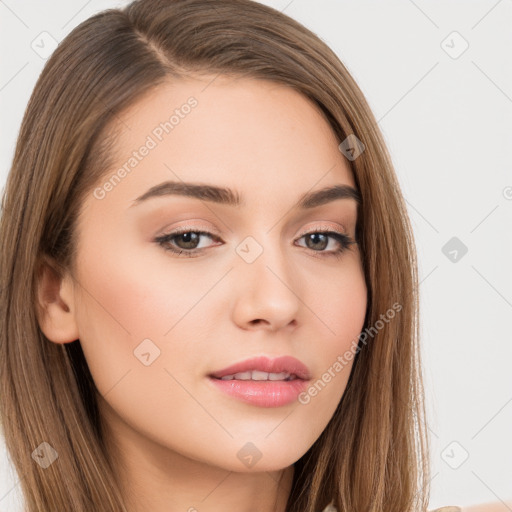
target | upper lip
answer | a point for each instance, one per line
(287, 364)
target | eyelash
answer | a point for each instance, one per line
(164, 240)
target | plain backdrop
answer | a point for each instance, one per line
(438, 76)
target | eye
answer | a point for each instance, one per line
(319, 240)
(186, 241)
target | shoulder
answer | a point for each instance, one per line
(497, 506)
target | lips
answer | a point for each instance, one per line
(280, 365)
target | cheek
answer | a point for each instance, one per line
(131, 298)
(138, 329)
(338, 299)
(340, 310)
(128, 312)
(346, 311)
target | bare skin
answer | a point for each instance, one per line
(495, 506)
(176, 437)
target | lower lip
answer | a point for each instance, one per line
(263, 393)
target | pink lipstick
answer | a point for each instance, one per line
(262, 381)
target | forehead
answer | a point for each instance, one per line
(256, 136)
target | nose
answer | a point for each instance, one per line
(267, 294)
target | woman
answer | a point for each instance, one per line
(209, 287)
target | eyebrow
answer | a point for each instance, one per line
(226, 196)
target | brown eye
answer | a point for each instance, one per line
(318, 241)
(190, 240)
(185, 241)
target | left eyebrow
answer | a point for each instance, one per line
(230, 197)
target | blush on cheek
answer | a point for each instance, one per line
(341, 308)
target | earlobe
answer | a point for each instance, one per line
(55, 304)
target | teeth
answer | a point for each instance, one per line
(257, 375)
(280, 376)
(243, 376)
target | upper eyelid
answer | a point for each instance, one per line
(215, 237)
(213, 234)
(181, 230)
(321, 227)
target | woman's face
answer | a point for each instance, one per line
(154, 324)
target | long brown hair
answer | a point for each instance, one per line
(373, 454)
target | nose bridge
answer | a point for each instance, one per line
(267, 290)
(265, 257)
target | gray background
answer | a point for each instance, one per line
(446, 116)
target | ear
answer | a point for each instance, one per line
(55, 303)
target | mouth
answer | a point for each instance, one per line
(257, 375)
(263, 382)
(263, 368)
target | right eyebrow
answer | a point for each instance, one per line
(210, 193)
